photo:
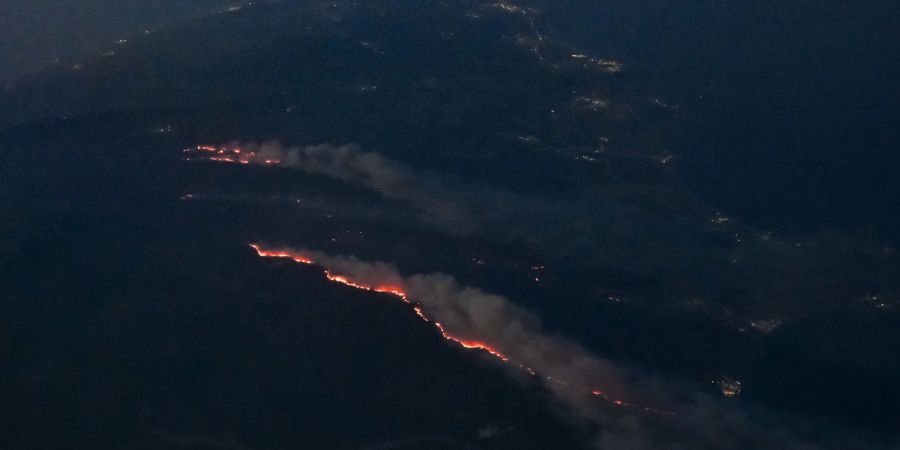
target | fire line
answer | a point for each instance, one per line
(465, 343)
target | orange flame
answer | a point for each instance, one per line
(274, 254)
(393, 290)
(233, 155)
(465, 343)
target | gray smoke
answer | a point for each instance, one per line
(633, 228)
(570, 226)
(472, 314)
(391, 179)
(693, 421)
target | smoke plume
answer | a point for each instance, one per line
(389, 178)
(474, 315)
(653, 414)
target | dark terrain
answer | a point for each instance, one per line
(668, 228)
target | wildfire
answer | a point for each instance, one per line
(273, 254)
(469, 344)
(345, 280)
(420, 312)
(233, 155)
(393, 290)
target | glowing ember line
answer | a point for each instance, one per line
(231, 155)
(271, 254)
(344, 280)
(465, 343)
(470, 344)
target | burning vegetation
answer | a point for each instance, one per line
(472, 319)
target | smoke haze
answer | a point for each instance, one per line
(391, 179)
(679, 418)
